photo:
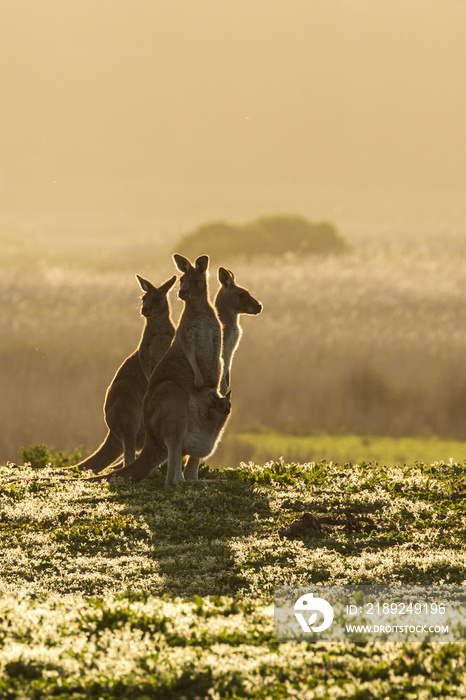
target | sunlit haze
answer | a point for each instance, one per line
(181, 112)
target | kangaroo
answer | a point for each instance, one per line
(182, 411)
(198, 334)
(208, 415)
(230, 301)
(123, 400)
(219, 405)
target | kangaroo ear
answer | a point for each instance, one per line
(182, 263)
(225, 276)
(202, 263)
(166, 286)
(144, 284)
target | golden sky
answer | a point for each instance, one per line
(189, 110)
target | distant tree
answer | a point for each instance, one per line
(272, 235)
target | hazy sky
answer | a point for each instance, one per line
(187, 110)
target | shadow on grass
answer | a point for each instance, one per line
(223, 538)
(191, 527)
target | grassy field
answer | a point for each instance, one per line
(114, 589)
(261, 447)
(354, 364)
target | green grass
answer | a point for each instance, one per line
(141, 647)
(262, 446)
(114, 589)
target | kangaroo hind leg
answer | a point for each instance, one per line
(191, 470)
(150, 457)
(174, 463)
(129, 449)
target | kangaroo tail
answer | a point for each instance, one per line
(150, 457)
(106, 454)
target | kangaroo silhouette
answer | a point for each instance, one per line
(183, 414)
(231, 301)
(124, 396)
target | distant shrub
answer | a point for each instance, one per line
(273, 235)
(39, 456)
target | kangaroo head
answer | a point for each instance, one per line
(234, 298)
(219, 405)
(193, 282)
(155, 299)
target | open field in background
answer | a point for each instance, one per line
(261, 447)
(94, 247)
(370, 343)
(115, 589)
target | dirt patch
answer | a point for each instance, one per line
(309, 525)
